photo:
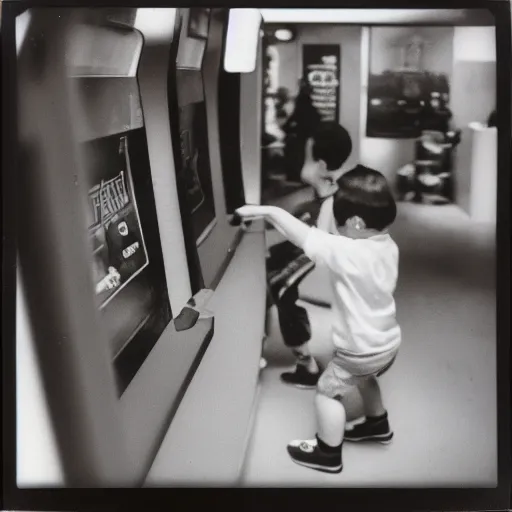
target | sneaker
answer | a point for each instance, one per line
(371, 430)
(308, 453)
(301, 378)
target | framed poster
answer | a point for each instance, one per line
(402, 104)
(198, 22)
(126, 254)
(405, 97)
(321, 68)
(115, 231)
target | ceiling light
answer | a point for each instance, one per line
(283, 34)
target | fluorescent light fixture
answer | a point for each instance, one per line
(283, 34)
(242, 40)
(376, 101)
(361, 16)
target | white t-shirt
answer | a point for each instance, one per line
(364, 274)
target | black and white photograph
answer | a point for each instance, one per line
(270, 258)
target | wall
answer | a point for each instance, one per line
(388, 155)
(386, 52)
(289, 55)
(478, 173)
(474, 74)
(466, 54)
(474, 97)
(349, 37)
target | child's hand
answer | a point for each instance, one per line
(250, 211)
(247, 213)
(110, 281)
(313, 171)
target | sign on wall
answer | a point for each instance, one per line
(321, 69)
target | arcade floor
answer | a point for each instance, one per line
(441, 392)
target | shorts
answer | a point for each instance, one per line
(336, 381)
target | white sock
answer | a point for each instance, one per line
(312, 365)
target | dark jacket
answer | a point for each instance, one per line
(283, 253)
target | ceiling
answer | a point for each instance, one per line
(379, 16)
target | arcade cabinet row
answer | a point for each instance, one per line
(145, 121)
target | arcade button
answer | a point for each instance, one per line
(236, 220)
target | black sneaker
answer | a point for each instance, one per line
(376, 430)
(307, 453)
(301, 378)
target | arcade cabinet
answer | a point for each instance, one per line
(90, 163)
(229, 99)
(198, 112)
(207, 438)
(73, 335)
(125, 235)
(127, 207)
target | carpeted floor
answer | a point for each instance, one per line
(441, 393)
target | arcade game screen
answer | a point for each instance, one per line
(229, 133)
(196, 172)
(119, 249)
(127, 264)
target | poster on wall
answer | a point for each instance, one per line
(405, 98)
(321, 69)
(196, 172)
(402, 104)
(115, 231)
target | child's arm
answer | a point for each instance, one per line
(320, 247)
(290, 227)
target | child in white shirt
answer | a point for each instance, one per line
(363, 263)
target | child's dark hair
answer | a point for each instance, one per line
(365, 193)
(332, 144)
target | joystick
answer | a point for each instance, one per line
(237, 220)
